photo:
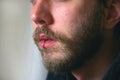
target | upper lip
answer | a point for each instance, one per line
(43, 37)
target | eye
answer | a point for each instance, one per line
(33, 2)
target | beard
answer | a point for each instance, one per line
(75, 52)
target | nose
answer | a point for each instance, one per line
(41, 13)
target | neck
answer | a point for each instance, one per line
(98, 65)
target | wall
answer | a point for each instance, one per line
(19, 57)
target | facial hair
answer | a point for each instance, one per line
(78, 50)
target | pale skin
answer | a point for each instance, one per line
(58, 14)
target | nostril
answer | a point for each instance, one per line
(37, 19)
(41, 21)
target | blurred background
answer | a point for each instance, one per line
(19, 57)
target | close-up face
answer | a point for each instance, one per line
(67, 32)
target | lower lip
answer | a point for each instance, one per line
(46, 43)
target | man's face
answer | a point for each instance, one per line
(67, 32)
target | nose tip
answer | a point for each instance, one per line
(36, 19)
(33, 17)
(41, 14)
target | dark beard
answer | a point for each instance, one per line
(77, 51)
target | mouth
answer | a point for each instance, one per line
(45, 41)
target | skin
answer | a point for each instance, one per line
(58, 15)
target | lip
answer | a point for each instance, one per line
(45, 41)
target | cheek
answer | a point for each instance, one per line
(65, 14)
(65, 18)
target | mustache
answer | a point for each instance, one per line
(48, 32)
